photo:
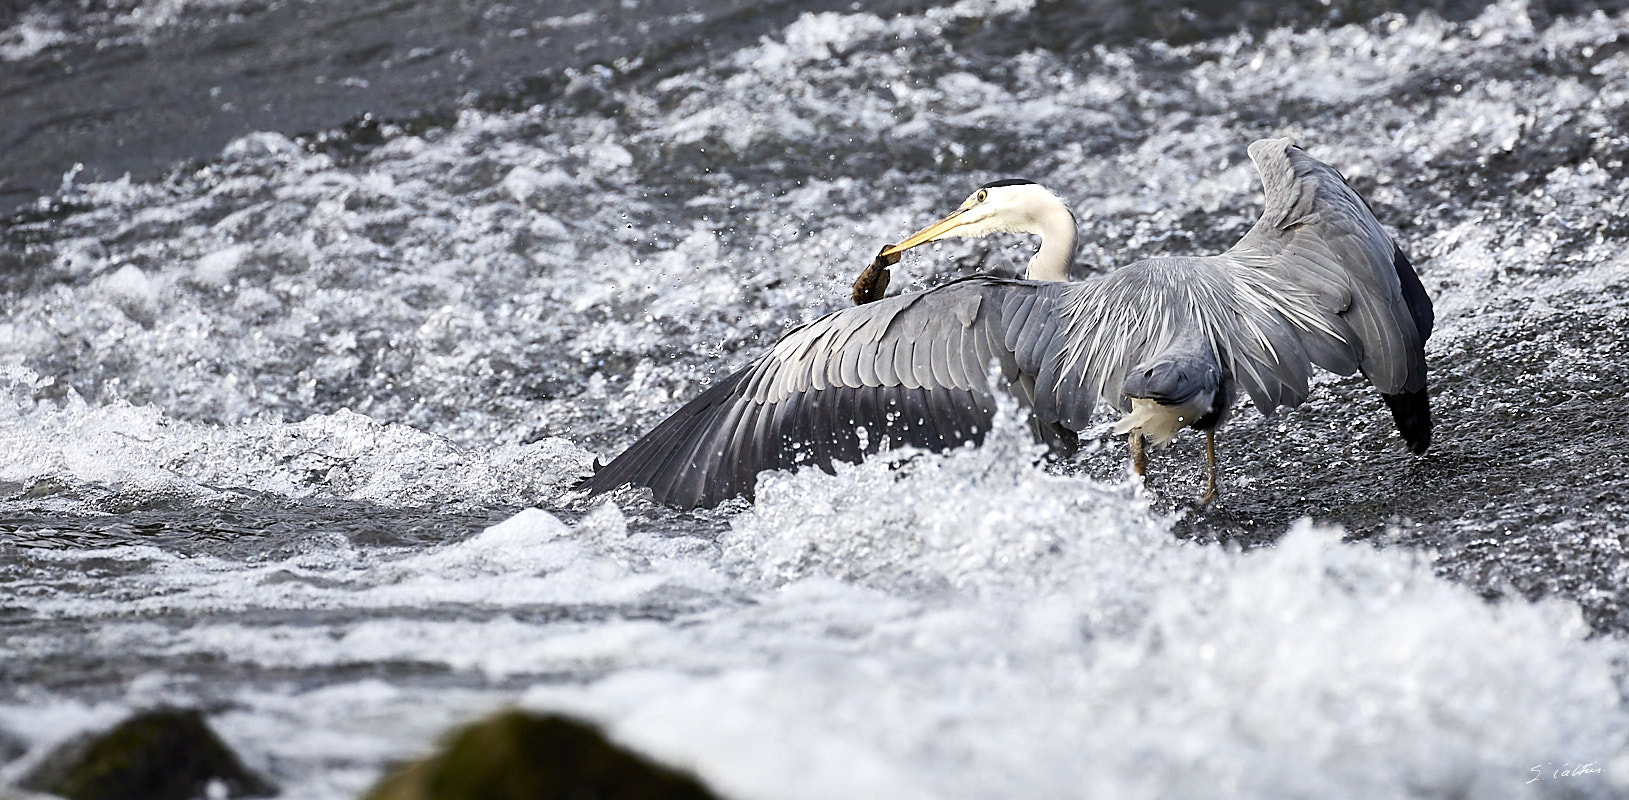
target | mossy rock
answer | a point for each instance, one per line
(519, 756)
(163, 754)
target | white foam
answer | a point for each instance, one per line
(977, 624)
(964, 625)
(344, 455)
(215, 269)
(31, 35)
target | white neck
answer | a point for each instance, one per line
(1056, 227)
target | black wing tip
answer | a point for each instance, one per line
(582, 485)
(1412, 413)
(603, 483)
(704, 492)
(1414, 296)
(646, 463)
(597, 482)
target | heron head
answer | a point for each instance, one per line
(1013, 205)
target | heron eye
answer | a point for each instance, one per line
(983, 196)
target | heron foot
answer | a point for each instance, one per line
(1139, 453)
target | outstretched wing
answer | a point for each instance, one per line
(1319, 255)
(1318, 239)
(906, 370)
(1160, 313)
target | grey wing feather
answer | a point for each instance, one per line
(1148, 311)
(1316, 281)
(912, 369)
(1321, 256)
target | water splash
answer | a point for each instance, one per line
(300, 341)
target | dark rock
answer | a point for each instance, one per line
(518, 756)
(163, 754)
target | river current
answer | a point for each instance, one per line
(289, 424)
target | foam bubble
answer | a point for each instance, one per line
(435, 322)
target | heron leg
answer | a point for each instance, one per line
(1139, 455)
(1210, 468)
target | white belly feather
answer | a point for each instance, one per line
(1159, 422)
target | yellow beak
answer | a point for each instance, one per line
(936, 230)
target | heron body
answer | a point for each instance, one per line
(1169, 342)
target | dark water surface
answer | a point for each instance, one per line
(135, 94)
(134, 87)
(274, 404)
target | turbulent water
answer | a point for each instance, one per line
(289, 430)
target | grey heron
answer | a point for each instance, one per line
(1169, 342)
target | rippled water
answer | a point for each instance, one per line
(276, 423)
